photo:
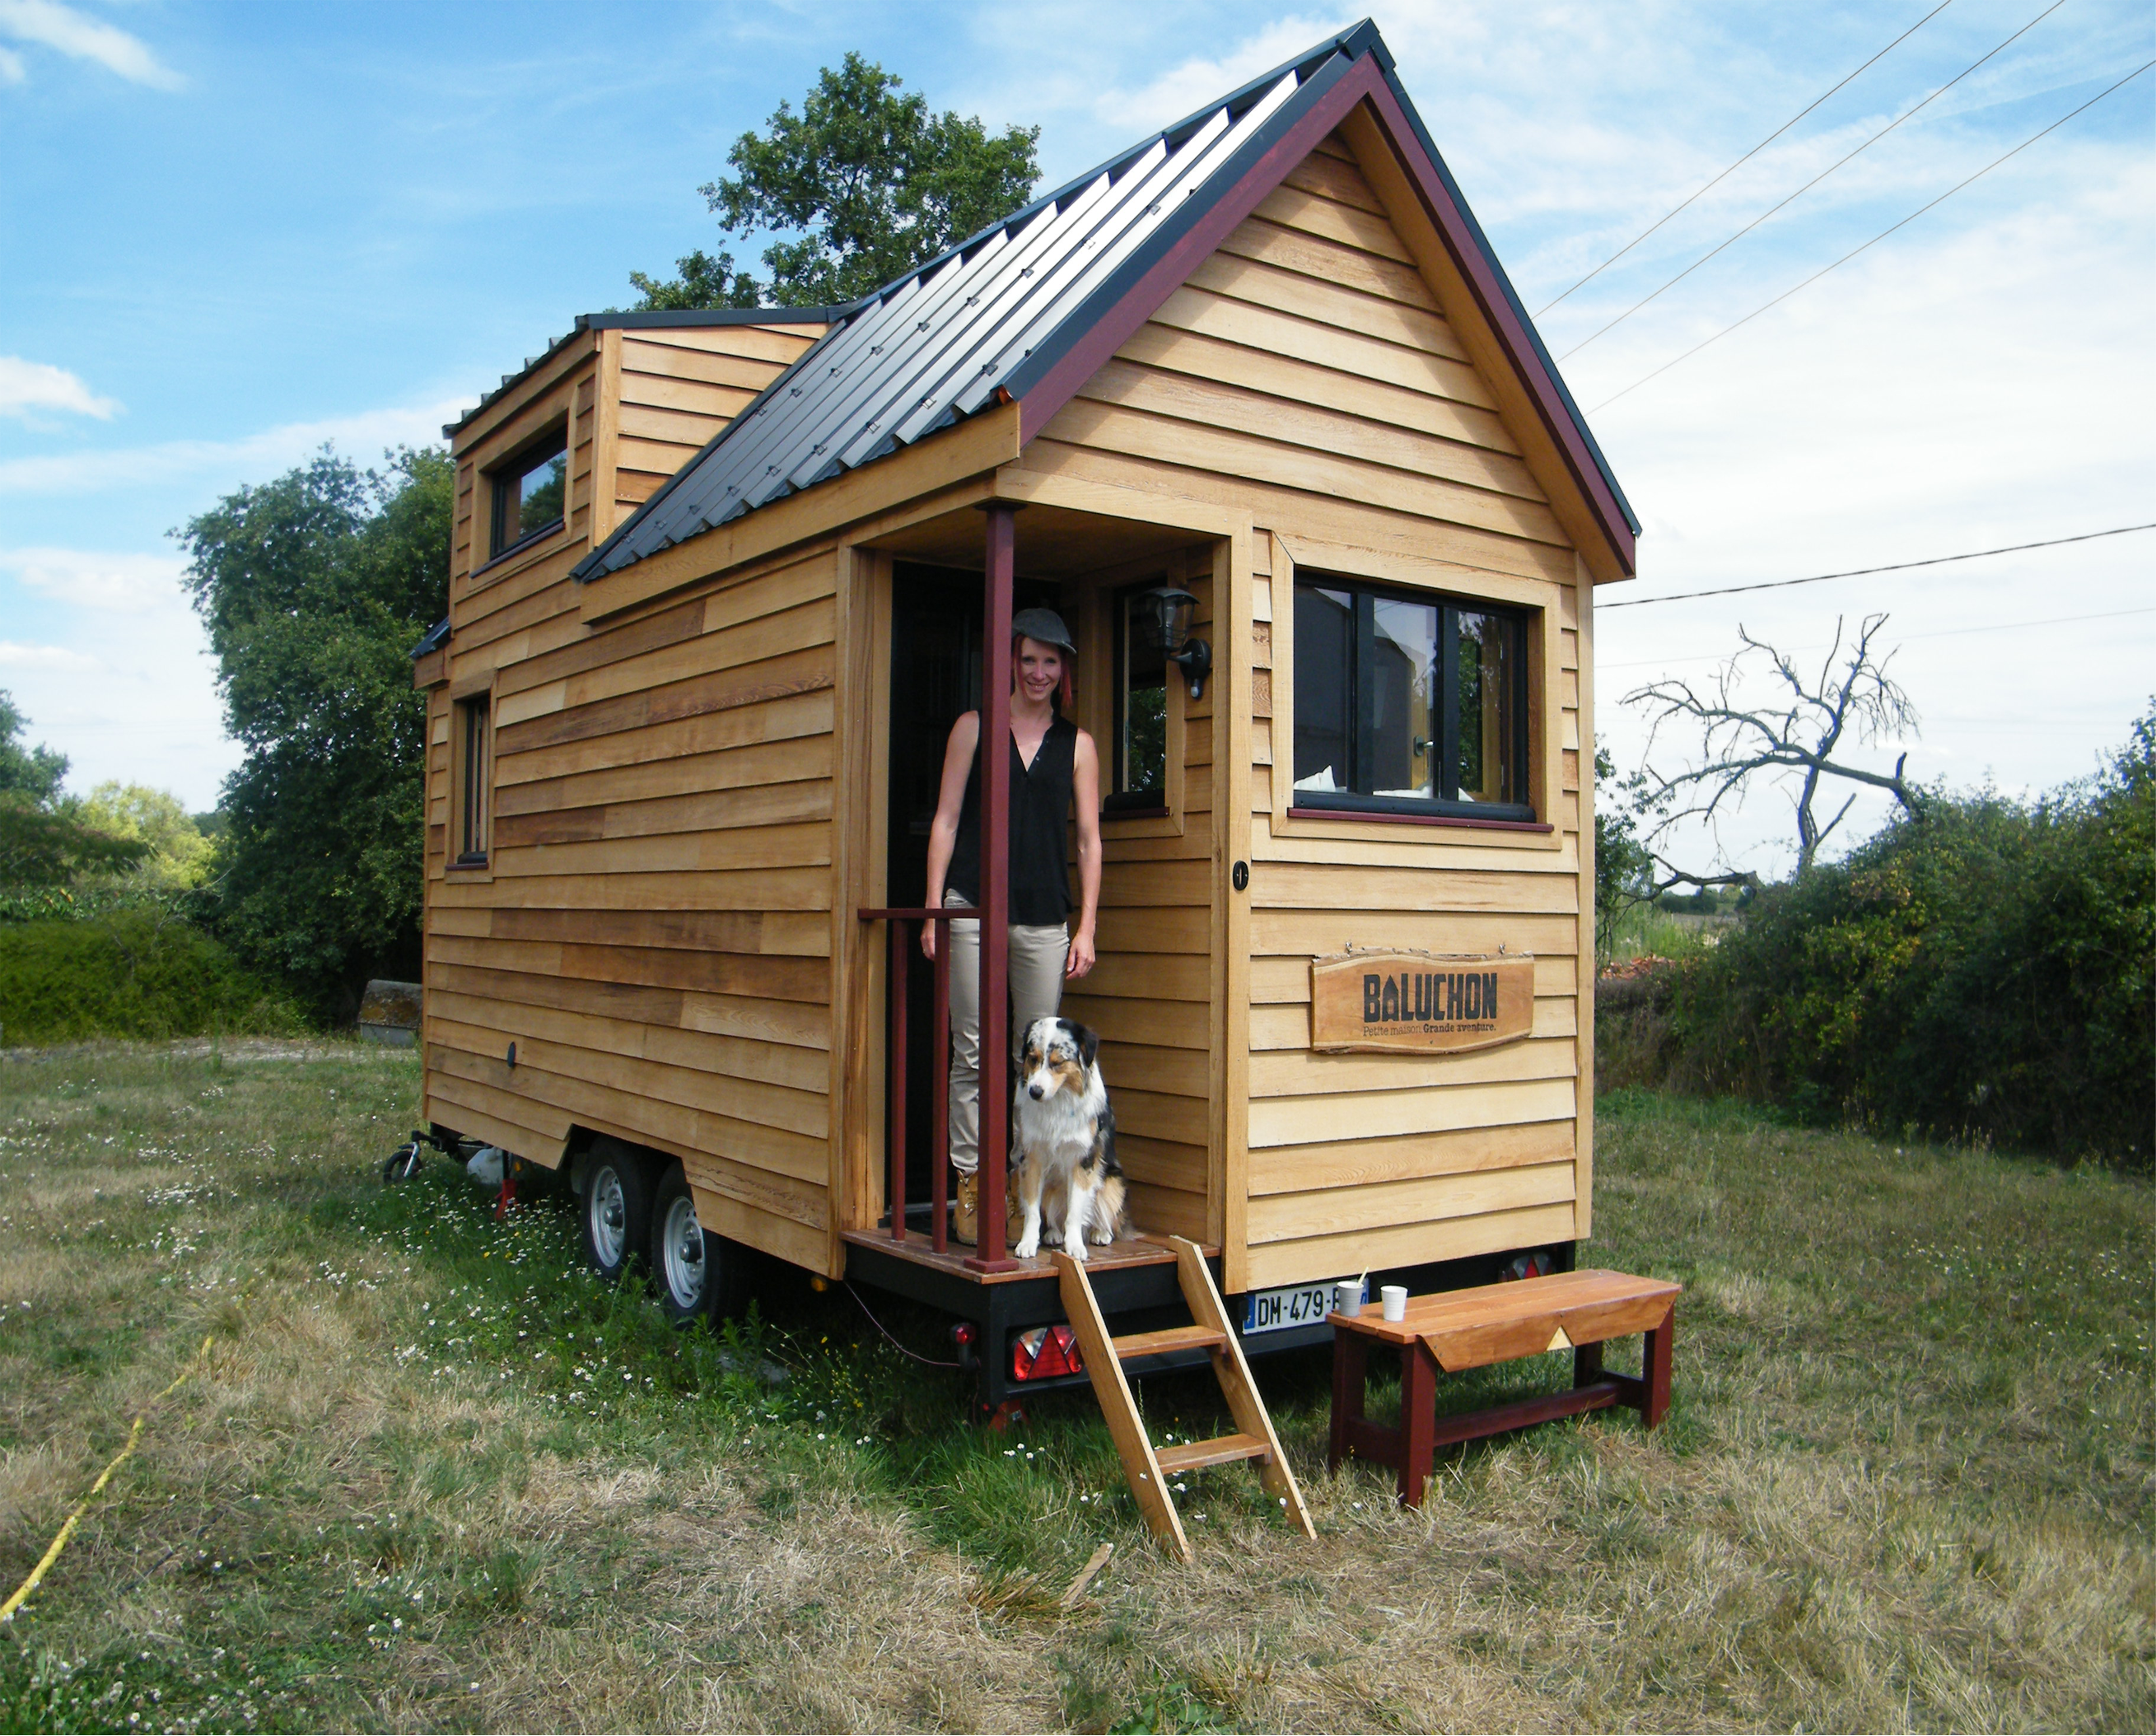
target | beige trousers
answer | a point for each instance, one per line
(1036, 990)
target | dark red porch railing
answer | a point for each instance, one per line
(903, 925)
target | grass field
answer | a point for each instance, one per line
(427, 1474)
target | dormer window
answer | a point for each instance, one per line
(529, 491)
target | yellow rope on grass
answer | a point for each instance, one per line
(134, 1435)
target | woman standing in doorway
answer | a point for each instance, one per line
(1052, 766)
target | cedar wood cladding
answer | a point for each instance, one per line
(650, 928)
(1306, 376)
(656, 925)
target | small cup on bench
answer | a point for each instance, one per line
(1395, 1299)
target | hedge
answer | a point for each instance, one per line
(140, 972)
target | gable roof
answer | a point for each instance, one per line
(1030, 308)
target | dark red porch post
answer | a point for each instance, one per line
(994, 1147)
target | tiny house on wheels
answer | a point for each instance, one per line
(1253, 407)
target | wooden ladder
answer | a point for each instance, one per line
(1151, 1469)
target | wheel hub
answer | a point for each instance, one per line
(682, 1254)
(609, 1214)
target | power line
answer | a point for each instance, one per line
(1873, 242)
(2110, 614)
(1907, 115)
(1746, 157)
(1820, 578)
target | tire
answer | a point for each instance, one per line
(694, 1269)
(617, 1211)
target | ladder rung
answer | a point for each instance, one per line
(1223, 1449)
(1172, 1337)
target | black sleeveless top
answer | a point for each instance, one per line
(1040, 810)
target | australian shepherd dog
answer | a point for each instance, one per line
(1066, 1186)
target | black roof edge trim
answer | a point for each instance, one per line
(1512, 296)
(641, 318)
(438, 635)
(1080, 320)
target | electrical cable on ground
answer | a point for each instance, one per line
(930, 1361)
(1907, 115)
(1875, 240)
(1820, 578)
(60, 1543)
(1745, 158)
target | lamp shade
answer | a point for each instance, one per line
(1162, 615)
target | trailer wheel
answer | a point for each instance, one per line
(617, 1211)
(696, 1268)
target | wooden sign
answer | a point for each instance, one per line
(1420, 1003)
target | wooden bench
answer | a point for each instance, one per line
(1461, 1329)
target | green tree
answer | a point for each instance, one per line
(179, 854)
(32, 773)
(314, 588)
(1624, 871)
(47, 841)
(873, 183)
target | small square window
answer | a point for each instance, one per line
(1409, 703)
(529, 493)
(471, 774)
(1138, 772)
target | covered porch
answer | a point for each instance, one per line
(938, 597)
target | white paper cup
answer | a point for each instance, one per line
(1395, 1298)
(1347, 1297)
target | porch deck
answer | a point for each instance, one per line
(1139, 1251)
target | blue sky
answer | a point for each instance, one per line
(230, 233)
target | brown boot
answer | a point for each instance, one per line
(965, 1210)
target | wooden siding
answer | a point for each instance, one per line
(1307, 375)
(652, 928)
(679, 385)
(1154, 994)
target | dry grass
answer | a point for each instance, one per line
(431, 1477)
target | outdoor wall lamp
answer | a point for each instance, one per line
(1163, 616)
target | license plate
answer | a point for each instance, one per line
(1268, 1311)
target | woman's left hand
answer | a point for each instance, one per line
(1080, 959)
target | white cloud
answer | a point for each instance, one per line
(1200, 79)
(19, 656)
(27, 387)
(176, 460)
(12, 69)
(52, 25)
(121, 582)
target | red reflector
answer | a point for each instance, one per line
(1045, 1352)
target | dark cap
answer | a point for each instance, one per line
(1044, 626)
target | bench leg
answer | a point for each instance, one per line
(1350, 1369)
(1417, 1419)
(1586, 1365)
(1655, 1369)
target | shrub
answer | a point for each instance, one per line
(135, 973)
(1986, 972)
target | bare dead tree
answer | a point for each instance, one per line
(1797, 741)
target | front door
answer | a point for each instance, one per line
(935, 676)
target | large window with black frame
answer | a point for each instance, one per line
(529, 493)
(1409, 703)
(1137, 780)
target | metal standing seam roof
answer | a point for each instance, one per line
(653, 319)
(989, 319)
